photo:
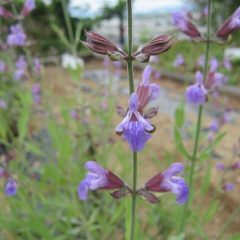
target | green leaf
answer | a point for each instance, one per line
(33, 149)
(206, 179)
(211, 211)
(61, 35)
(78, 35)
(206, 153)
(180, 115)
(179, 143)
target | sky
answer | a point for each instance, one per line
(91, 7)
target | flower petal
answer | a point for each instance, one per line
(148, 127)
(83, 190)
(146, 75)
(133, 102)
(154, 92)
(180, 189)
(93, 167)
(121, 125)
(174, 169)
(195, 94)
(135, 134)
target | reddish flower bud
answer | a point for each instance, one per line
(180, 20)
(150, 197)
(5, 13)
(98, 178)
(169, 181)
(156, 46)
(104, 46)
(230, 25)
(120, 193)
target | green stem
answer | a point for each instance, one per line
(131, 90)
(198, 128)
(229, 221)
(129, 7)
(130, 76)
(134, 188)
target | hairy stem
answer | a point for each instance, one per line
(133, 207)
(131, 90)
(198, 127)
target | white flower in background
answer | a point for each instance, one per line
(232, 54)
(47, 2)
(72, 62)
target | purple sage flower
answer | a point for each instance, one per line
(36, 92)
(205, 11)
(213, 65)
(17, 37)
(3, 66)
(21, 66)
(37, 65)
(3, 104)
(97, 178)
(10, 188)
(168, 181)
(200, 62)
(28, 6)
(227, 64)
(74, 114)
(2, 172)
(196, 94)
(157, 74)
(179, 61)
(134, 127)
(214, 126)
(228, 187)
(220, 166)
(181, 21)
(235, 166)
(230, 25)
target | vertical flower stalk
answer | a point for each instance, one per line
(131, 90)
(199, 121)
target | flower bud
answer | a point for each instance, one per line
(5, 13)
(28, 6)
(230, 25)
(185, 25)
(156, 46)
(104, 46)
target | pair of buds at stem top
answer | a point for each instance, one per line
(167, 181)
(104, 46)
(184, 24)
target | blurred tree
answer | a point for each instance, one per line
(117, 10)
